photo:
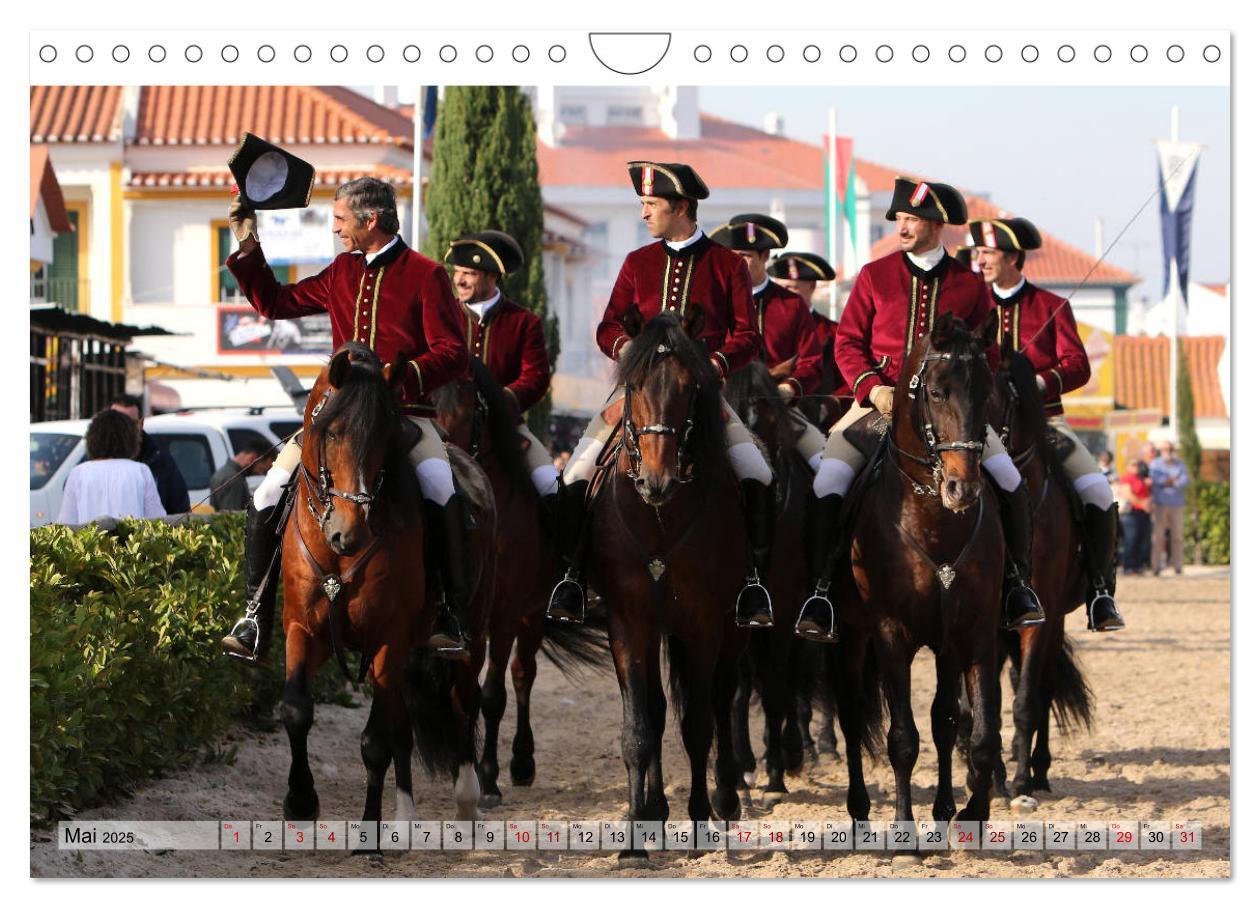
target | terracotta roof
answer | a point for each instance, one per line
(1142, 373)
(44, 183)
(215, 179)
(1218, 289)
(726, 155)
(76, 113)
(1055, 262)
(289, 114)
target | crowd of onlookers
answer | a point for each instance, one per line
(127, 474)
(1152, 497)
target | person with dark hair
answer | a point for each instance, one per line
(170, 482)
(1135, 515)
(229, 490)
(110, 483)
(399, 303)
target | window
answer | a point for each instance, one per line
(241, 437)
(191, 454)
(573, 113)
(48, 452)
(283, 428)
(225, 287)
(60, 280)
(625, 114)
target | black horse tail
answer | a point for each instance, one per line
(676, 657)
(1070, 696)
(429, 695)
(574, 648)
(867, 700)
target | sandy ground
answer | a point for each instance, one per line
(1159, 750)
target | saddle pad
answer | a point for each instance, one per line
(867, 434)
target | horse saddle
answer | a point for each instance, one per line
(867, 434)
(408, 433)
(1060, 445)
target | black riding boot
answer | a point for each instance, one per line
(1100, 556)
(817, 620)
(449, 523)
(251, 636)
(752, 607)
(568, 597)
(1020, 607)
(550, 515)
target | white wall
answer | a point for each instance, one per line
(42, 236)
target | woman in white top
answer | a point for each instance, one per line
(109, 483)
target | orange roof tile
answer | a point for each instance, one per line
(76, 113)
(1218, 289)
(44, 183)
(215, 179)
(1056, 262)
(1142, 373)
(727, 155)
(289, 114)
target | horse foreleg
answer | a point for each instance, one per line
(1039, 780)
(1027, 706)
(726, 769)
(697, 724)
(493, 705)
(903, 736)
(984, 740)
(631, 648)
(742, 738)
(775, 703)
(466, 694)
(944, 734)
(654, 795)
(524, 671)
(852, 707)
(303, 657)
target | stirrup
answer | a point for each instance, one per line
(555, 614)
(812, 631)
(753, 582)
(230, 643)
(1030, 618)
(1092, 625)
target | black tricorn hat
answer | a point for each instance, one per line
(269, 177)
(1007, 234)
(929, 201)
(486, 250)
(800, 266)
(751, 231)
(666, 181)
(965, 256)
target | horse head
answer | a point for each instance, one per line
(457, 406)
(1015, 407)
(753, 393)
(671, 402)
(941, 406)
(351, 429)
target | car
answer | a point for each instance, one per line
(199, 441)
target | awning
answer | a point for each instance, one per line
(55, 320)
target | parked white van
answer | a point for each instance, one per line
(199, 441)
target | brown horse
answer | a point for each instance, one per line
(1044, 672)
(670, 563)
(476, 415)
(927, 555)
(355, 580)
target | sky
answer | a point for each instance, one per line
(1062, 157)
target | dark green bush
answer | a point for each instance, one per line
(1211, 521)
(127, 681)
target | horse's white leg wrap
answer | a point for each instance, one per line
(268, 493)
(834, 478)
(546, 480)
(467, 793)
(404, 805)
(437, 483)
(1003, 471)
(1094, 489)
(749, 464)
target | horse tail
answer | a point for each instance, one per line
(429, 694)
(1071, 698)
(676, 657)
(574, 648)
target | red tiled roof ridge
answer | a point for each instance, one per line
(75, 113)
(216, 177)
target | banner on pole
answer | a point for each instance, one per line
(1178, 165)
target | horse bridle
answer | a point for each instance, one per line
(928, 434)
(1008, 420)
(631, 433)
(320, 488)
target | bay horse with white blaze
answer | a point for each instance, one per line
(355, 580)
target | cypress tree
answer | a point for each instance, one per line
(485, 177)
(1191, 451)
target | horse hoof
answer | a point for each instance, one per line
(374, 855)
(1023, 804)
(491, 799)
(633, 860)
(906, 861)
(772, 798)
(522, 772)
(828, 756)
(294, 810)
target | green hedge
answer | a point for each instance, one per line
(127, 681)
(1210, 530)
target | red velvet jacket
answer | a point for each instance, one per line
(893, 304)
(510, 342)
(825, 332)
(787, 331)
(656, 278)
(400, 304)
(1055, 352)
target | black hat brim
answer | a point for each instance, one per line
(270, 178)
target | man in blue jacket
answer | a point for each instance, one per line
(1169, 479)
(170, 482)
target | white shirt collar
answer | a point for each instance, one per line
(1009, 291)
(483, 307)
(761, 286)
(928, 260)
(677, 245)
(370, 257)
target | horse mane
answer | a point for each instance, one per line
(635, 368)
(365, 405)
(500, 423)
(754, 384)
(1029, 411)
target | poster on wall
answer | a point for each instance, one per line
(242, 330)
(298, 236)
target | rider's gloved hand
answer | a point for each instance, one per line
(882, 398)
(242, 221)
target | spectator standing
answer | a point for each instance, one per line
(170, 482)
(229, 490)
(1169, 479)
(1106, 464)
(1135, 516)
(110, 483)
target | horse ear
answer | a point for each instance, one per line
(987, 333)
(693, 322)
(943, 330)
(632, 321)
(339, 368)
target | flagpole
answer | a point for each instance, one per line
(832, 219)
(417, 166)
